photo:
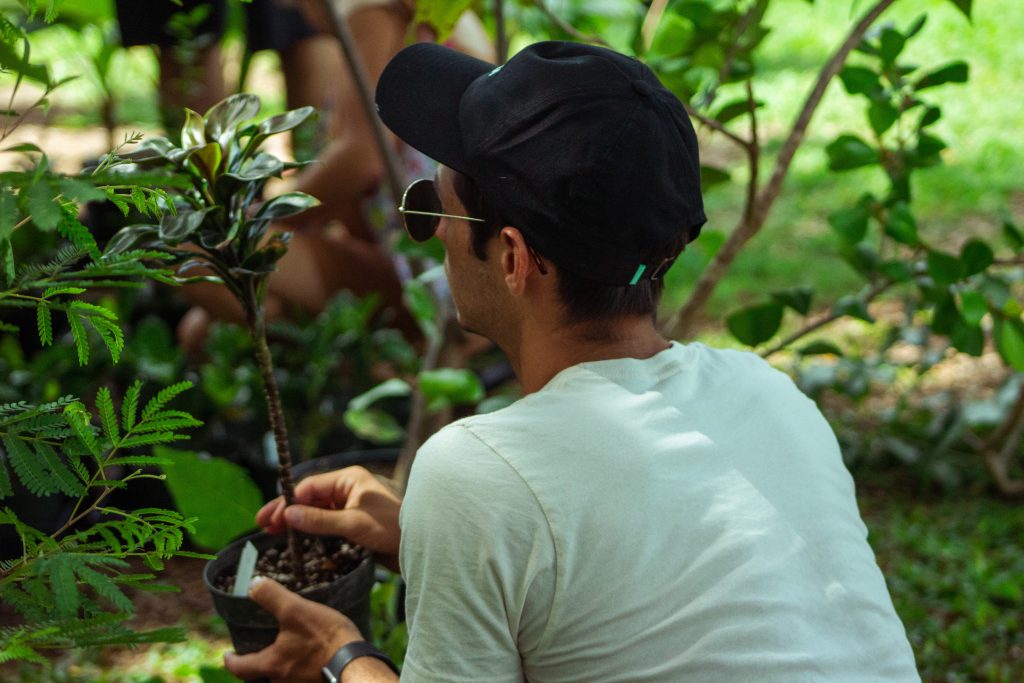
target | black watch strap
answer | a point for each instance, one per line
(331, 673)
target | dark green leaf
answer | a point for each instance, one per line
(969, 339)
(848, 152)
(198, 486)
(286, 205)
(8, 212)
(674, 35)
(976, 256)
(850, 224)
(286, 121)
(916, 27)
(153, 149)
(45, 212)
(130, 237)
(1009, 338)
(417, 298)
(797, 298)
(859, 80)
(881, 116)
(259, 167)
(1013, 235)
(931, 115)
(861, 257)
(756, 324)
(450, 386)
(945, 316)
(944, 268)
(731, 110)
(391, 388)
(854, 307)
(891, 44)
(901, 226)
(81, 191)
(374, 425)
(193, 133)
(927, 151)
(974, 307)
(177, 229)
(964, 6)
(954, 72)
(820, 348)
(895, 270)
(711, 176)
(223, 118)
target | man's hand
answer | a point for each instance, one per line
(350, 503)
(310, 633)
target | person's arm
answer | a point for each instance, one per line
(309, 635)
(350, 502)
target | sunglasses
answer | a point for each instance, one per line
(421, 213)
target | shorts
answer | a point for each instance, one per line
(270, 24)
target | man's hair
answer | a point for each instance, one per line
(584, 301)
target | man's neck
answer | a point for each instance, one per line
(542, 354)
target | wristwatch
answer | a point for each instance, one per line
(331, 673)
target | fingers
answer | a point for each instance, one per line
(270, 516)
(317, 521)
(272, 596)
(329, 487)
(251, 666)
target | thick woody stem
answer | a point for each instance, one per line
(258, 331)
(501, 35)
(754, 216)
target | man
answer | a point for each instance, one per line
(648, 511)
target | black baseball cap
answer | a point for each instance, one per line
(579, 147)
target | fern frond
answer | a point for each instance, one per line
(163, 397)
(28, 467)
(118, 201)
(111, 335)
(80, 421)
(62, 477)
(150, 439)
(16, 407)
(78, 334)
(105, 587)
(86, 309)
(168, 424)
(129, 406)
(62, 582)
(44, 321)
(78, 234)
(6, 488)
(138, 461)
(58, 290)
(108, 418)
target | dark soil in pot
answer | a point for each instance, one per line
(341, 577)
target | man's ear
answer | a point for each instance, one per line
(516, 263)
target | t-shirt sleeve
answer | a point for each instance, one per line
(478, 561)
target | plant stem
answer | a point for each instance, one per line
(501, 37)
(258, 330)
(754, 216)
(415, 433)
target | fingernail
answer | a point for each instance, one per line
(256, 580)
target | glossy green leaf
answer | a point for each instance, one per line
(450, 386)
(259, 167)
(374, 425)
(81, 191)
(851, 225)
(735, 108)
(207, 158)
(927, 152)
(976, 256)
(848, 152)
(1013, 235)
(1009, 338)
(797, 298)
(193, 133)
(286, 205)
(895, 270)
(417, 298)
(130, 237)
(224, 117)
(175, 229)
(859, 80)
(152, 149)
(390, 388)
(756, 324)
(944, 268)
(931, 115)
(286, 121)
(861, 257)
(954, 72)
(916, 27)
(901, 226)
(219, 493)
(973, 306)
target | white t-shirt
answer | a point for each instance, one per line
(681, 518)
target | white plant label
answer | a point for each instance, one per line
(246, 566)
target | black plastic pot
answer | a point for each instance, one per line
(251, 627)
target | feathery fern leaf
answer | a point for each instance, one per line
(62, 477)
(163, 397)
(108, 418)
(106, 588)
(80, 421)
(77, 234)
(6, 488)
(150, 439)
(167, 424)
(78, 334)
(62, 582)
(44, 321)
(28, 467)
(138, 461)
(129, 406)
(111, 335)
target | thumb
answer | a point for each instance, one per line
(318, 521)
(270, 595)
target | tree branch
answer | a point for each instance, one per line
(567, 27)
(717, 126)
(748, 227)
(501, 36)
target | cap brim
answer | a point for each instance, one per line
(418, 98)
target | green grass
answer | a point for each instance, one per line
(955, 571)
